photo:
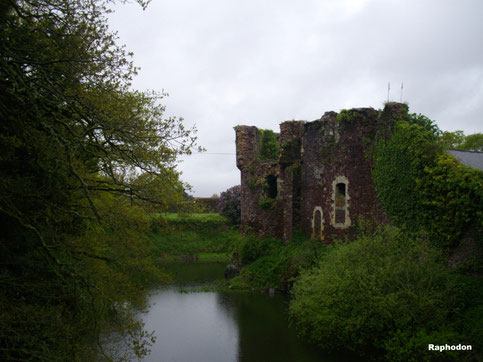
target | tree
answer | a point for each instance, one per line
(229, 204)
(458, 140)
(82, 156)
(473, 142)
(452, 139)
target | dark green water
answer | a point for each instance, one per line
(221, 326)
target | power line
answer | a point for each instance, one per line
(212, 153)
(218, 153)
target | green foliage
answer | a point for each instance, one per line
(451, 139)
(266, 203)
(83, 156)
(458, 190)
(470, 319)
(268, 263)
(383, 291)
(66, 304)
(347, 116)
(399, 162)
(424, 122)
(291, 146)
(458, 140)
(229, 204)
(422, 188)
(472, 142)
(250, 248)
(192, 234)
(291, 149)
(327, 149)
(188, 221)
(252, 183)
(268, 145)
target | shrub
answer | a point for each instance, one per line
(250, 248)
(382, 292)
(268, 263)
(229, 204)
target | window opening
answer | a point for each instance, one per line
(272, 186)
(340, 203)
(317, 226)
(339, 216)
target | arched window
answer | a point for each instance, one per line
(340, 203)
(317, 223)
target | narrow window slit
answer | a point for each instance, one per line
(272, 191)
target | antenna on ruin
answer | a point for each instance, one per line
(400, 99)
(388, 90)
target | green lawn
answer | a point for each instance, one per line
(205, 235)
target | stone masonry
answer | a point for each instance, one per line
(321, 182)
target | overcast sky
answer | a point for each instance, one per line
(231, 62)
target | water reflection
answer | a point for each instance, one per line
(208, 326)
(191, 327)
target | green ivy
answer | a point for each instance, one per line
(423, 188)
(252, 183)
(268, 145)
(266, 203)
(347, 116)
(452, 195)
(327, 149)
(291, 149)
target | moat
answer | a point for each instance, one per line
(221, 326)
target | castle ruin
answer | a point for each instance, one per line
(320, 180)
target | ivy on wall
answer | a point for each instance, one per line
(268, 145)
(424, 189)
(347, 116)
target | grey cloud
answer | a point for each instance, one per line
(229, 62)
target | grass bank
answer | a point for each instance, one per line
(192, 237)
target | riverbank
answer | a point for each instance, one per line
(264, 263)
(385, 293)
(391, 292)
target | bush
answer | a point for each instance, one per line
(383, 292)
(268, 263)
(251, 248)
(229, 204)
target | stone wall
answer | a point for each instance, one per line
(321, 182)
(259, 212)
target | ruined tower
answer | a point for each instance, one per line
(320, 179)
